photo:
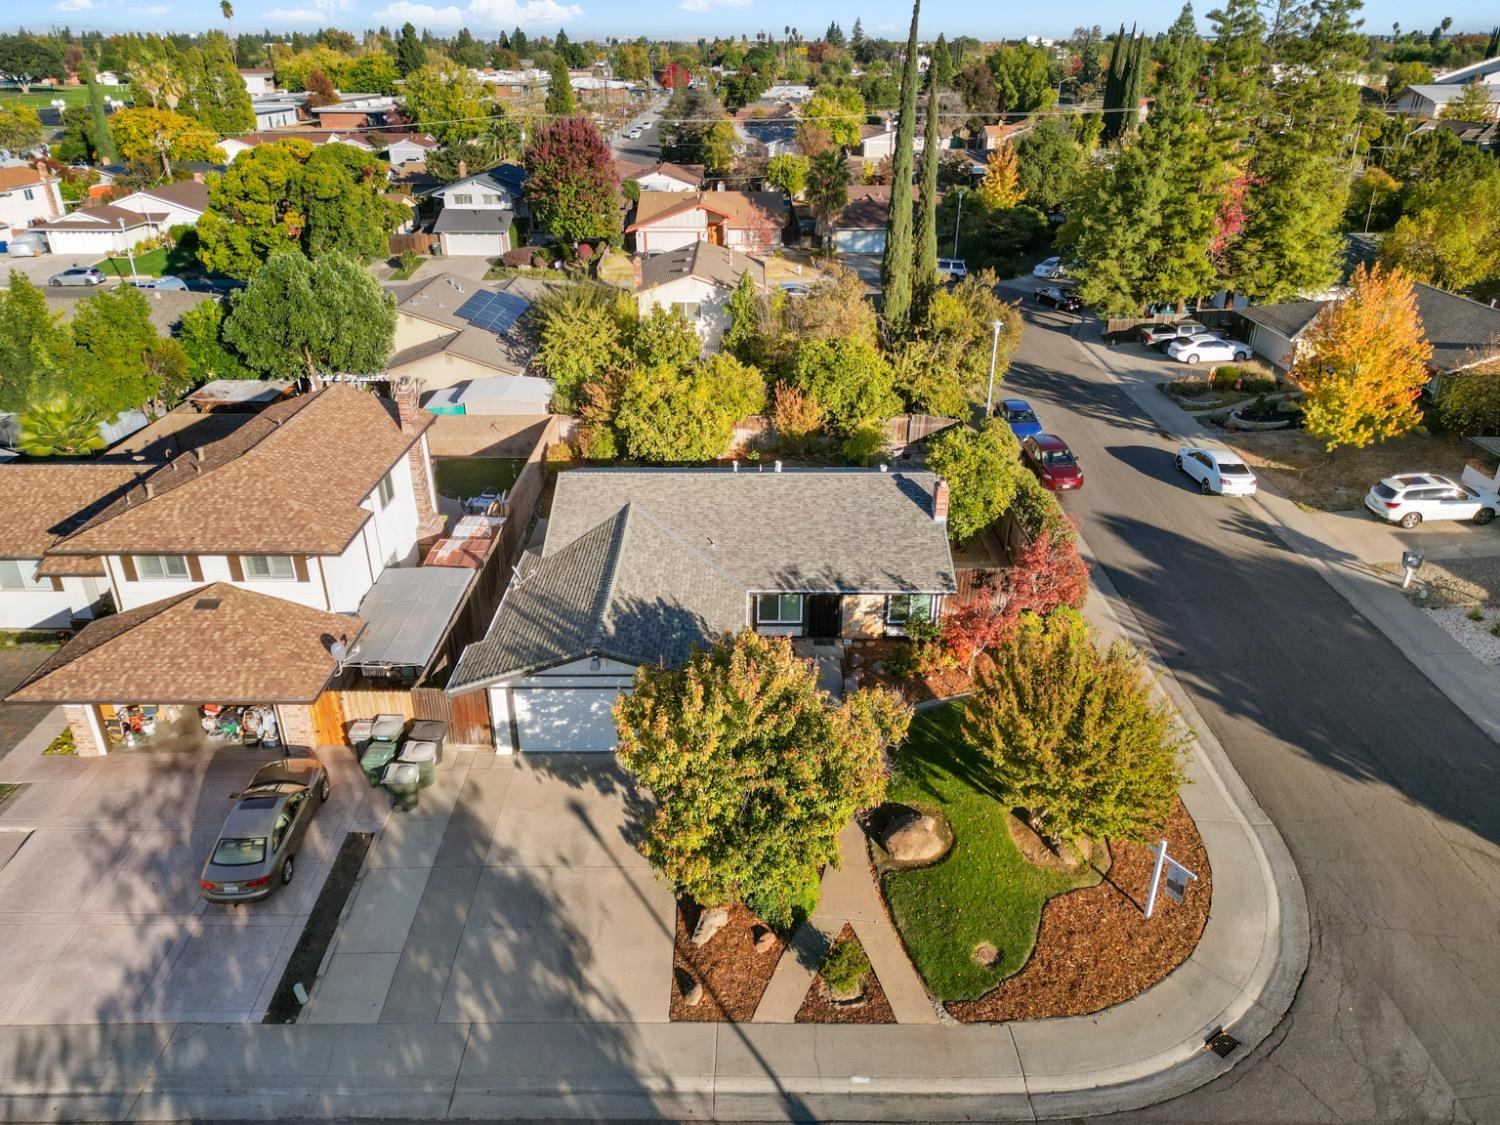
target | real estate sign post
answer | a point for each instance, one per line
(1178, 877)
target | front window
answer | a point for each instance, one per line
(386, 490)
(240, 852)
(778, 609)
(690, 309)
(463, 200)
(270, 567)
(901, 608)
(161, 566)
(491, 200)
(27, 194)
(20, 574)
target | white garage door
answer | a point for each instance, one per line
(859, 241)
(473, 245)
(565, 720)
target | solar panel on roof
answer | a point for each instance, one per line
(497, 312)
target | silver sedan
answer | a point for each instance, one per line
(257, 847)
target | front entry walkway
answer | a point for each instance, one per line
(849, 894)
(512, 893)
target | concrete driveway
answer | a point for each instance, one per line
(100, 918)
(513, 893)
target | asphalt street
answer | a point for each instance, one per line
(1384, 791)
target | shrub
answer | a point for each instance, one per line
(520, 257)
(1039, 511)
(409, 260)
(1258, 384)
(1495, 629)
(1475, 614)
(845, 967)
(1224, 378)
(866, 444)
(785, 906)
(178, 231)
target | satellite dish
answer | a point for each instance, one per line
(339, 650)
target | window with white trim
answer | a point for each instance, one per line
(20, 574)
(778, 609)
(277, 567)
(693, 310)
(27, 194)
(901, 608)
(161, 566)
(463, 199)
(386, 490)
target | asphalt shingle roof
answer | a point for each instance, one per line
(704, 260)
(642, 564)
(472, 220)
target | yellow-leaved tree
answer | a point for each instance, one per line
(1363, 362)
(1001, 186)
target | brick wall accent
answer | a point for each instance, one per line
(863, 615)
(408, 393)
(83, 732)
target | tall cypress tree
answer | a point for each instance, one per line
(927, 240)
(1123, 85)
(895, 267)
(101, 140)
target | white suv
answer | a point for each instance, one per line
(1410, 498)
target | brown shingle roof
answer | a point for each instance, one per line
(289, 481)
(22, 175)
(43, 502)
(183, 193)
(103, 218)
(737, 207)
(218, 643)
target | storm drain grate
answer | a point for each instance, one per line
(1220, 1042)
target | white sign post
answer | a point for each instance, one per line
(1178, 877)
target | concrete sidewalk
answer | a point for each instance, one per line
(1342, 550)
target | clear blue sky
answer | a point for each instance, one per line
(683, 19)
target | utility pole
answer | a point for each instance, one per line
(989, 398)
(958, 218)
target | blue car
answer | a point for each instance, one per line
(1022, 419)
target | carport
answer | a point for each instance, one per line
(219, 645)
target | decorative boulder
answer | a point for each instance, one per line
(914, 839)
(690, 987)
(765, 940)
(710, 922)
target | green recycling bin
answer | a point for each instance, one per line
(374, 760)
(423, 755)
(402, 780)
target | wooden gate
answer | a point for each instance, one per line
(328, 720)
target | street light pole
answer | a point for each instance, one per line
(129, 249)
(957, 219)
(989, 398)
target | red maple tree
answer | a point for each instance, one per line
(1049, 573)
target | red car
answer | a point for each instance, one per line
(1049, 457)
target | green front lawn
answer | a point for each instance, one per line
(462, 477)
(153, 263)
(985, 890)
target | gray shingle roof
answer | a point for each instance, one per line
(628, 588)
(703, 260)
(472, 220)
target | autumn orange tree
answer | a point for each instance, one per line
(1363, 362)
(1001, 186)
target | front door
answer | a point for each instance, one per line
(716, 233)
(823, 616)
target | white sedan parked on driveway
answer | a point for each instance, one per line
(1199, 349)
(1217, 470)
(1411, 498)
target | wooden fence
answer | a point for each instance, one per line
(467, 717)
(417, 243)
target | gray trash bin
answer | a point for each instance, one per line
(388, 728)
(361, 730)
(424, 755)
(402, 780)
(434, 731)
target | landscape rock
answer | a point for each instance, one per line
(914, 839)
(690, 987)
(765, 940)
(710, 922)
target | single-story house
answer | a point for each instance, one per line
(639, 566)
(860, 227)
(470, 232)
(664, 176)
(277, 111)
(698, 279)
(993, 137)
(232, 147)
(409, 148)
(1428, 99)
(258, 80)
(774, 128)
(28, 194)
(95, 232)
(358, 112)
(879, 141)
(743, 220)
(183, 202)
(1463, 333)
(451, 331)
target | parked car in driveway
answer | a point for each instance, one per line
(1160, 335)
(78, 275)
(1049, 457)
(1211, 349)
(1059, 298)
(257, 847)
(1020, 417)
(1412, 498)
(1217, 471)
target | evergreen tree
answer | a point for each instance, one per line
(925, 278)
(101, 140)
(834, 36)
(560, 102)
(1144, 227)
(519, 43)
(941, 70)
(411, 55)
(1297, 173)
(857, 35)
(1235, 71)
(896, 265)
(1493, 47)
(1123, 85)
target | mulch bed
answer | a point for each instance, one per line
(819, 1007)
(941, 684)
(1094, 948)
(733, 975)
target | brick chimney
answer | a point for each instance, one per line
(407, 393)
(940, 501)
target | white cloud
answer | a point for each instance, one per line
(503, 13)
(152, 10)
(294, 15)
(710, 5)
(75, 5)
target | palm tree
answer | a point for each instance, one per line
(827, 187)
(60, 428)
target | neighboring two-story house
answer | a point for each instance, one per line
(477, 212)
(743, 220)
(638, 566)
(235, 568)
(28, 194)
(698, 279)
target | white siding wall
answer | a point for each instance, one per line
(753, 239)
(176, 214)
(713, 318)
(36, 609)
(392, 534)
(349, 576)
(144, 591)
(670, 233)
(18, 211)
